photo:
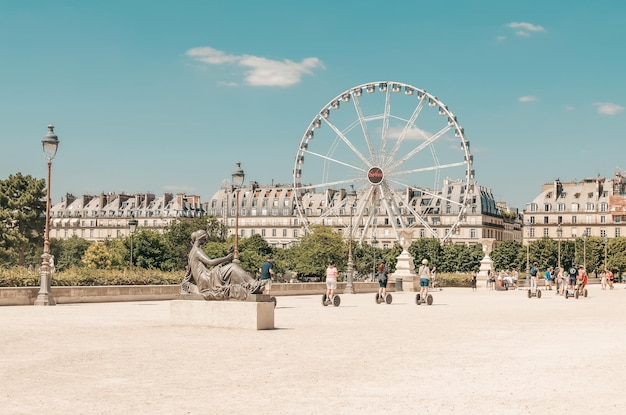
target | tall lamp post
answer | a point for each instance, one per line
(50, 143)
(374, 243)
(559, 234)
(585, 250)
(527, 283)
(606, 242)
(132, 224)
(351, 196)
(238, 177)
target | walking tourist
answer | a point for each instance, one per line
(331, 281)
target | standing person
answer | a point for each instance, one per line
(433, 275)
(603, 280)
(267, 270)
(381, 275)
(572, 277)
(331, 281)
(514, 277)
(581, 278)
(491, 279)
(609, 277)
(533, 276)
(473, 280)
(424, 274)
(548, 276)
(560, 281)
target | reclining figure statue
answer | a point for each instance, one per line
(224, 280)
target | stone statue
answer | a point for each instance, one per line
(216, 279)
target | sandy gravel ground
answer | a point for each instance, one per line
(483, 352)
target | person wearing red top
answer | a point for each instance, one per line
(609, 277)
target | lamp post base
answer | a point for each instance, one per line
(45, 299)
(349, 288)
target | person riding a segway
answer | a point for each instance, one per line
(381, 276)
(331, 285)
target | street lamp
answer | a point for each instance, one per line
(606, 242)
(585, 250)
(237, 176)
(559, 233)
(374, 243)
(132, 224)
(50, 143)
(351, 198)
(527, 283)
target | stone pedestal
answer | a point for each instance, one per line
(405, 269)
(486, 264)
(253, 315)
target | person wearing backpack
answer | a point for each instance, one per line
(533, 276)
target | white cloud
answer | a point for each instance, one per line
(527, 98)
(259, 71)
(414, 133)
(608, 108)
(500, 38)
(525, 29)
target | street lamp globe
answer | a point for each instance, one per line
(50, 143)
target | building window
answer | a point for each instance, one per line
(273, 232)
(603, 232)
(546, 220)
(295, 233)
(604, 207)
(284, 233)
(547, 207)
(532, 232)
(574, 207)
(546, 232)
(617, 232)
(263, 232)
(589, 207)
(561, 207)
(602, 219)
(473, 233)
(422, 233)
(573, 219)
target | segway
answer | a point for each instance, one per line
(428, 300)
(336, 300)
(387, 299)
(534, 292)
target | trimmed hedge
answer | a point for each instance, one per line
(22, 277)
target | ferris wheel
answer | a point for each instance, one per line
(398, 148)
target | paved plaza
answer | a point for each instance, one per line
(483, 352)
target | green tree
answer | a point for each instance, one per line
(149, 249)
(507, 255)
(616, 255)
(97, 256)
(177, 238)
(426, 248)
(68, 252)
(253, 251)
(120, 254)
(311, 256)
(459, 258)
(22, 207)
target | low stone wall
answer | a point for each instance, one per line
(101, 294)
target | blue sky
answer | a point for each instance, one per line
(166, 96)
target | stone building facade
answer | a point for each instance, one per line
(592, 207)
